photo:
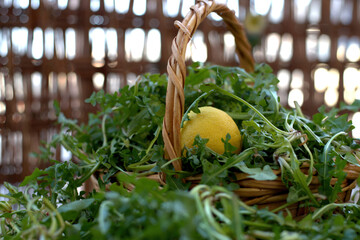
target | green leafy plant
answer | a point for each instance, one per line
(120, 146)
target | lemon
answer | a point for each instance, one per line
(213, 124)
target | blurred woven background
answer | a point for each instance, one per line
(66, 49)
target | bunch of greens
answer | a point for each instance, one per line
(124, 138)
(151, 212)
(274, 137)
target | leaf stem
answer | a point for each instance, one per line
(91, 172)
(192, 105)
(326, 151)
(103, 130)
(169, 162)
(289, 204)
(253, 108)
(330, 207)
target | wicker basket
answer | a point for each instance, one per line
(271, 194)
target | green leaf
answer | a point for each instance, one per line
(257, 173)
(231, 162)
(349, 157)
(354, 107)
(104, 217)
(33, 177)
(72, 210)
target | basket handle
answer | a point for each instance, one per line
(176, 68)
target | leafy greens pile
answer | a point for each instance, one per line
(121, 146)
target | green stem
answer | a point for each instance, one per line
(326, 151)
(147, 155)
(298, 109)
(91, 172)
(257, 224)
(144, 167)
(157, 134)
(253, 108)
(103, 130)
(289, 204)
(169, 162)
(192, 105)
(330, 207)
(241, 203)
(67, 147)
(262, 235)
(196, 192)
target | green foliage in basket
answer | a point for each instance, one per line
(124, 137)
(148, 212)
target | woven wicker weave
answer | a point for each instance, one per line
(270, 194)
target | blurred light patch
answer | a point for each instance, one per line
(351, 78)
(301, 10)
(261, 7)
(272, 46)
(295, 95)
(113, 82)
(186, 7)
(229, 46)
(331, 97)
(139, 7)
(112, 43)
(320, 78)
(36, 82)
(49, 43)
(65, 155)
(98, 81)
(333, 78)
(95, 5)
(70, 43)
(277, 11)
(284, 79)
(2, 108)
(97, 41)
(311, 46)
(153, 45)
(62, 4)
(134, 44)
(286, 49)
(324, 43)
(131, 79)
(341, 48)
(171, 8)
(314, 11)
(4, 41)
(37, 43)
(19, 39)
(2, 86)
(234, 6)
(198, 48)
(35, 4)
(18, 86)
(297, 80)
(356, 122)
(109, 5)
(62, 82)
(122, 6)
(353, 50)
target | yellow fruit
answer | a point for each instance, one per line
(213, 124)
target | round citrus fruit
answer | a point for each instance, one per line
(213, 124)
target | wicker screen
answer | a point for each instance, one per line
(65, 49)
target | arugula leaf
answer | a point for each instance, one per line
(257, 173)
(71, 210)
